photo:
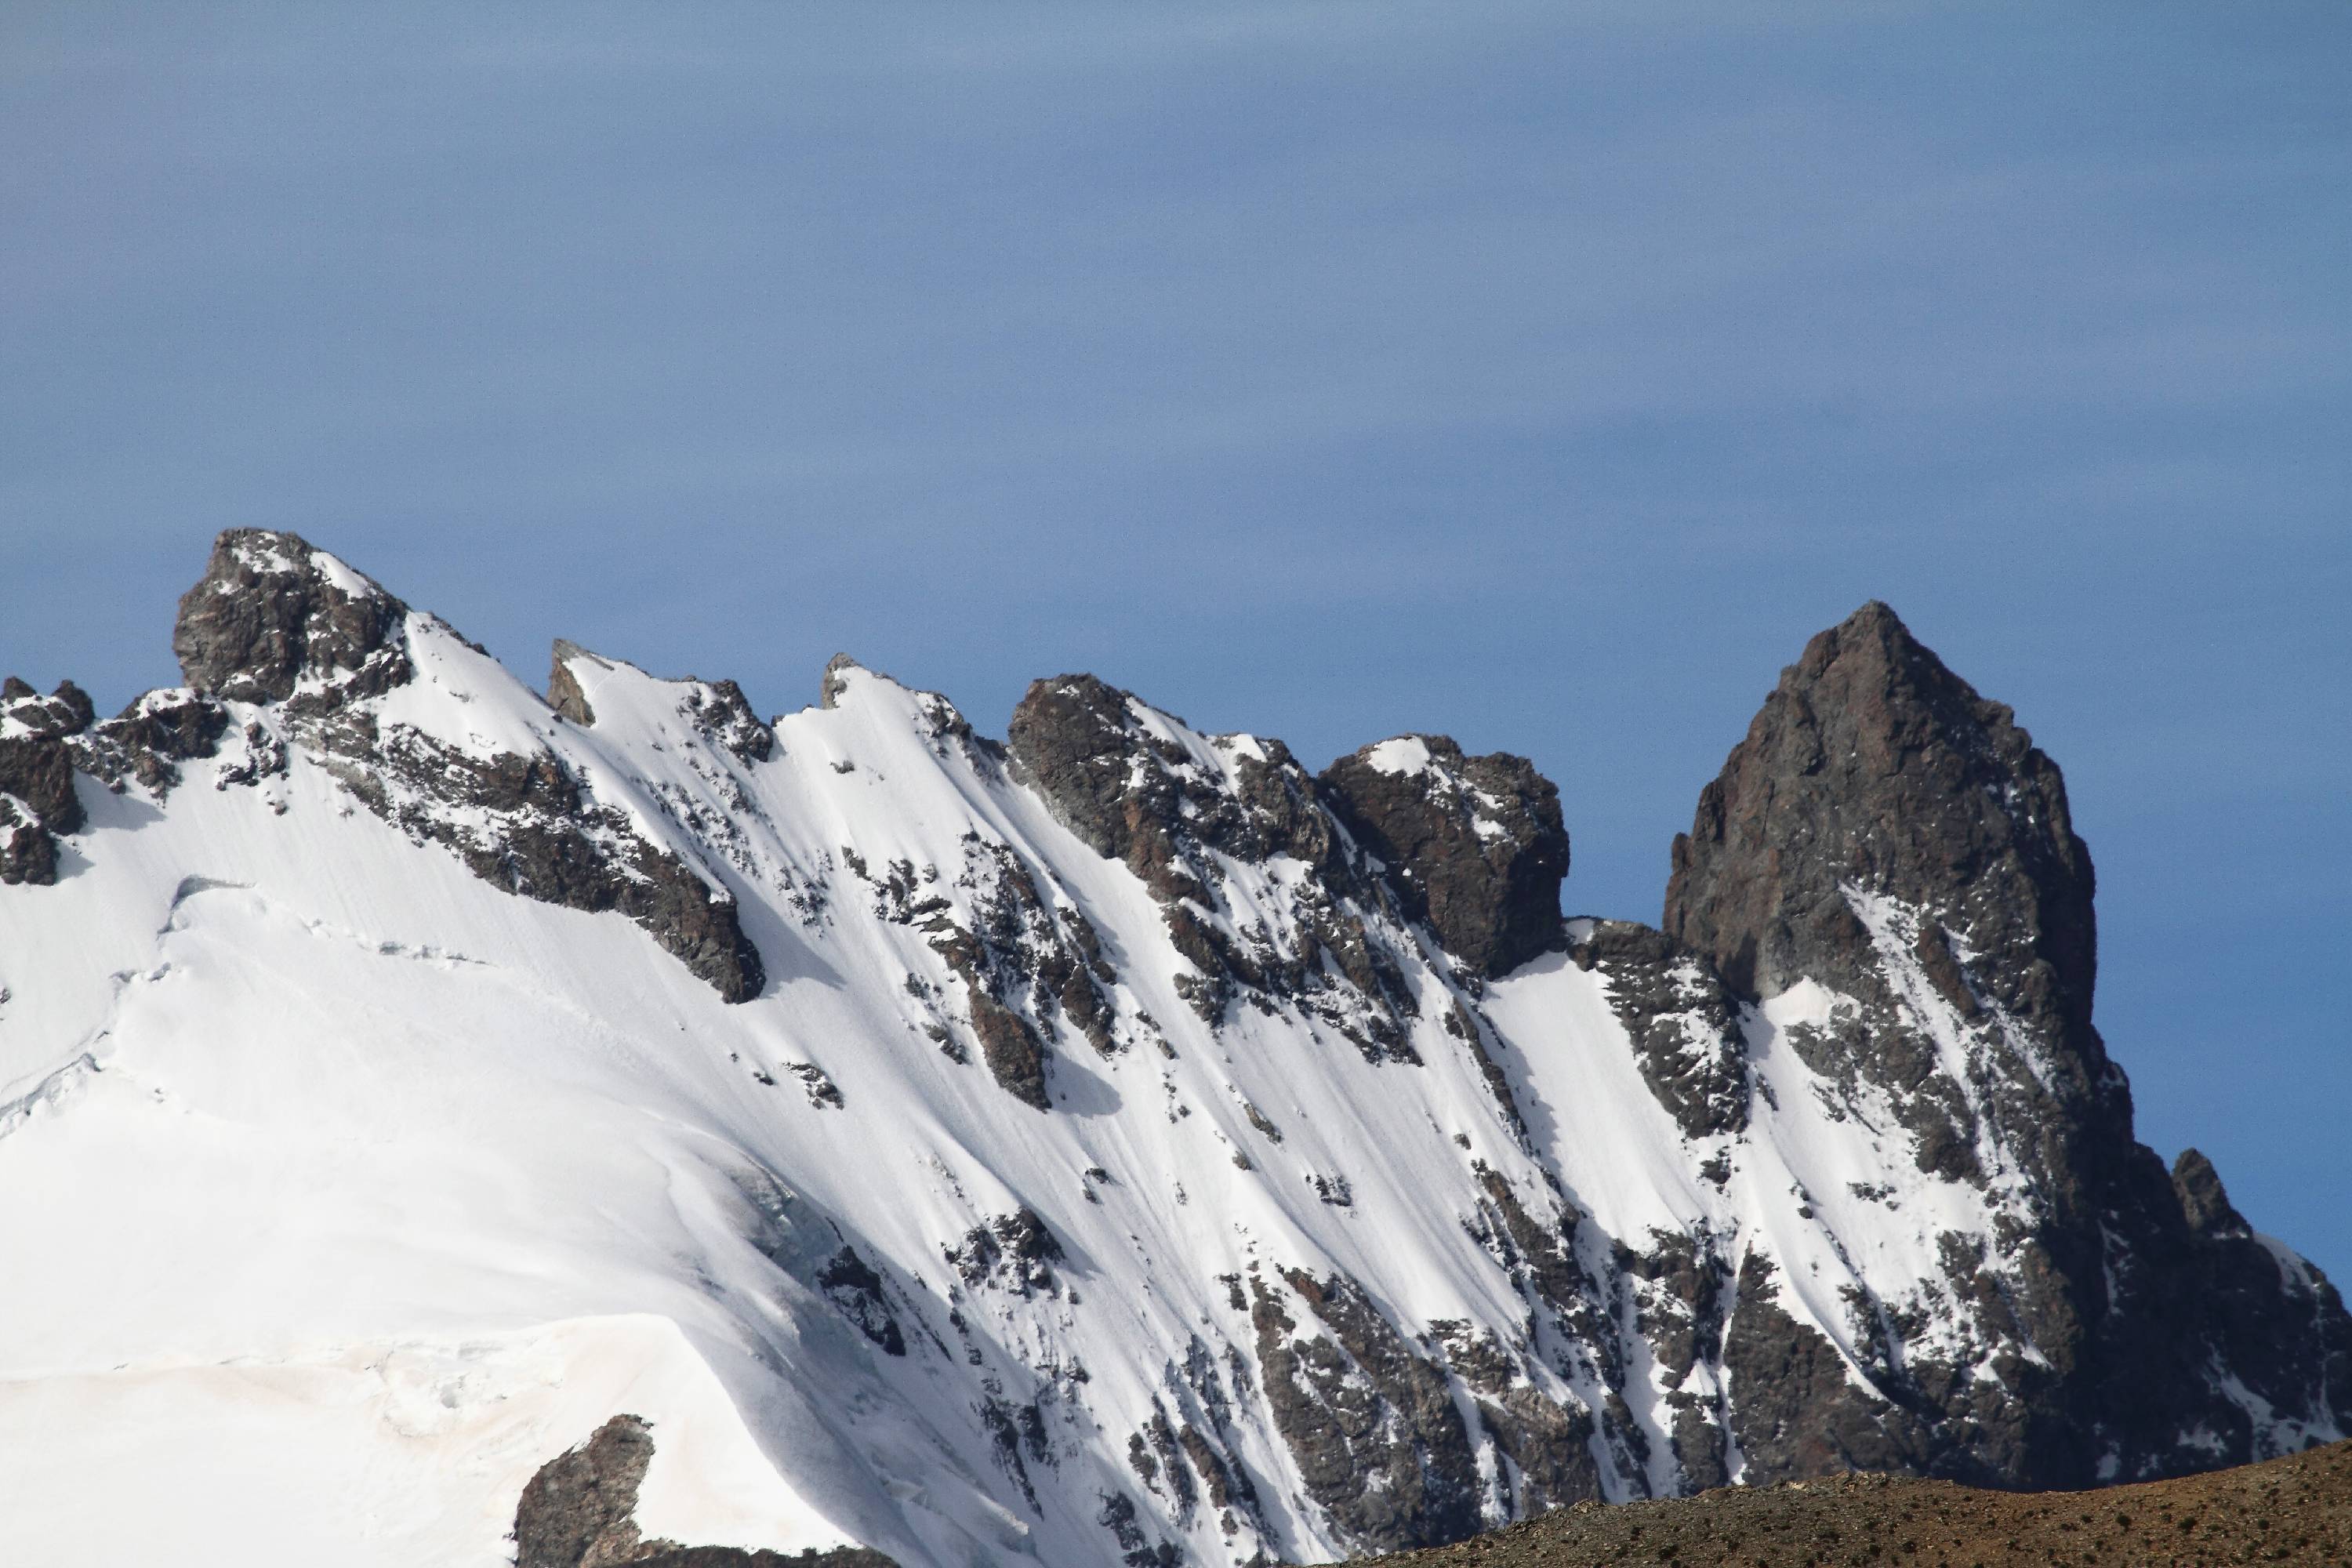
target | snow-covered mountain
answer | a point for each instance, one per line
(1117, 1144)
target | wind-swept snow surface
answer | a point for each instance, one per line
(1079, 1155)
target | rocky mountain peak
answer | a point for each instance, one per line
(579, 1511)
(1114, 1148)
(1872, 771)
(564, 692)
(2204, 1202)
(1076, 737)
(1136, 784)
(364, 689)
(1886, 872)
(834, 682)
(717, 710)
(1474, 845)
(271, 610)
(1181, 809)
(26, 712)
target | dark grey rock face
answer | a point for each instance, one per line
(1133, 794)
(1029, 965)
(1135, 797)
(29, 851)
(1181, 1466)
(265, 616)
(1891, 834)
(38, 770)
(45, 740)
(1684, 1291)
(148, 741)
(65, 711)
(1872, 766)
(37, 802)
(1796, 1412)
(1684, 1022)
(549, 841)
(275, 621)
(2236, 1300)
(721, 711)
(1379, 1441)
(2203, 1203)
(1474, 845)
(579, 1511)
(850, 1283)
(1014, 1252)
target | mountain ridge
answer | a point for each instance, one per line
(1831, 1171)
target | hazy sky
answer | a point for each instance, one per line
(1543, 375)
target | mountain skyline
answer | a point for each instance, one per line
(1115, 1141)
(2266, 1120)
(1542, 376)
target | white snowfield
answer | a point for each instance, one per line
(340, 1190)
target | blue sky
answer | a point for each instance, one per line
(1541, 374)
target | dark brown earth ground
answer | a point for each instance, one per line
(2296, 1510)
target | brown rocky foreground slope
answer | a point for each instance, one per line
(2294, 1510)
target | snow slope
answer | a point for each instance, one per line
(340, 1187)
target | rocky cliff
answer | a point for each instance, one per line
(1117, 1144)
(1892, 842)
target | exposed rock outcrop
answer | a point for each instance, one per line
(29, 851)
(36, 777)
(1474, 845)
(525, 822)
(1124, 779)
(1683, 1021)
(718, 709)
(278, 623)
(1134, 792)
(147, 742)
(1372, 1425)
(271, 616)
(850, 1283)
(1028, 965)
(564, 693)
(1871, 766)
(1797, 1412)
(1014, 1252)
(579, 1511)
(45, 740)
(1885, 833)
(834, 682)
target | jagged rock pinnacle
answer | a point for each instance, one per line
(831, 684)
(1873, 767)
(2204, 1203)
(271, 609)
(563, 693)
(1475, 845)
(1190, 1067)
(1891, 837)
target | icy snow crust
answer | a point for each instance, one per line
(405, 1183)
